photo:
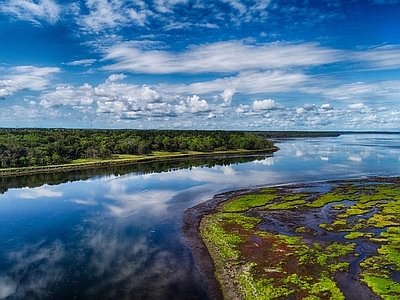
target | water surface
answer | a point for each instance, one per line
(116, 233)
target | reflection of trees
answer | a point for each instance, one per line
(40, 179)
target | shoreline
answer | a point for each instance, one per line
(11, 172)
(191, 231)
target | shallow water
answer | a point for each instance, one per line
(116, 233)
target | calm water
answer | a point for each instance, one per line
(116, 234)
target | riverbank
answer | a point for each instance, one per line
(191, 229)
(311, 240)
(120, 160)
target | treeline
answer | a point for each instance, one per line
(40, 147)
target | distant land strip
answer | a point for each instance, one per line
(45, 150)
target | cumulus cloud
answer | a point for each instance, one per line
(8, 87)
(115, 77)
(264, 104)
(306, 108)
(150, 96)
(242, 109)
(196, 105)
(68, 96)
(33, 11)
(227, 96)
(357, 106)
(193, 105)
(326, 107)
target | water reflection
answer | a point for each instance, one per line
(135, 168)
(116, 233)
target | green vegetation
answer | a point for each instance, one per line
(257, 259)
(248, 201)
(384, 287)
(42, 147)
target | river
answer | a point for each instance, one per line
(117, 233)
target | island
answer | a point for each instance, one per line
(326, 240)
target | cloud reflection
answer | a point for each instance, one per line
(35, 269)
(151, 201)
(7, 287)
(268, 161)
(90, 202)
(39, 192)
(355, 158)
(144, 268)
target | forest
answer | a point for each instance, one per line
(27, 147)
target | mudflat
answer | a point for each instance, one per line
(336, 239)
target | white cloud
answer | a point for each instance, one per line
(196, 105)
(357, 106)
(116, 77)
(264, 104)
(109, 15)
(245, 82)
(33, 11)
(29, 77)
(227, 96)
(220, 57)
(326, 107)
(370, 118)
(150, 96)
(82, 62)
(384, 57)
(8, 87)
(102, 14)
(68, 96)
(193, 105)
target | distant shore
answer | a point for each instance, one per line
(101, 163)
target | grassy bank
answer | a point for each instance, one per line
(124, 159)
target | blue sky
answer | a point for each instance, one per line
(191, 64)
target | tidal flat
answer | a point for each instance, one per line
(326, 240)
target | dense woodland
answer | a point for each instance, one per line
(40, 147)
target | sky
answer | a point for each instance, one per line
(201, 64)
